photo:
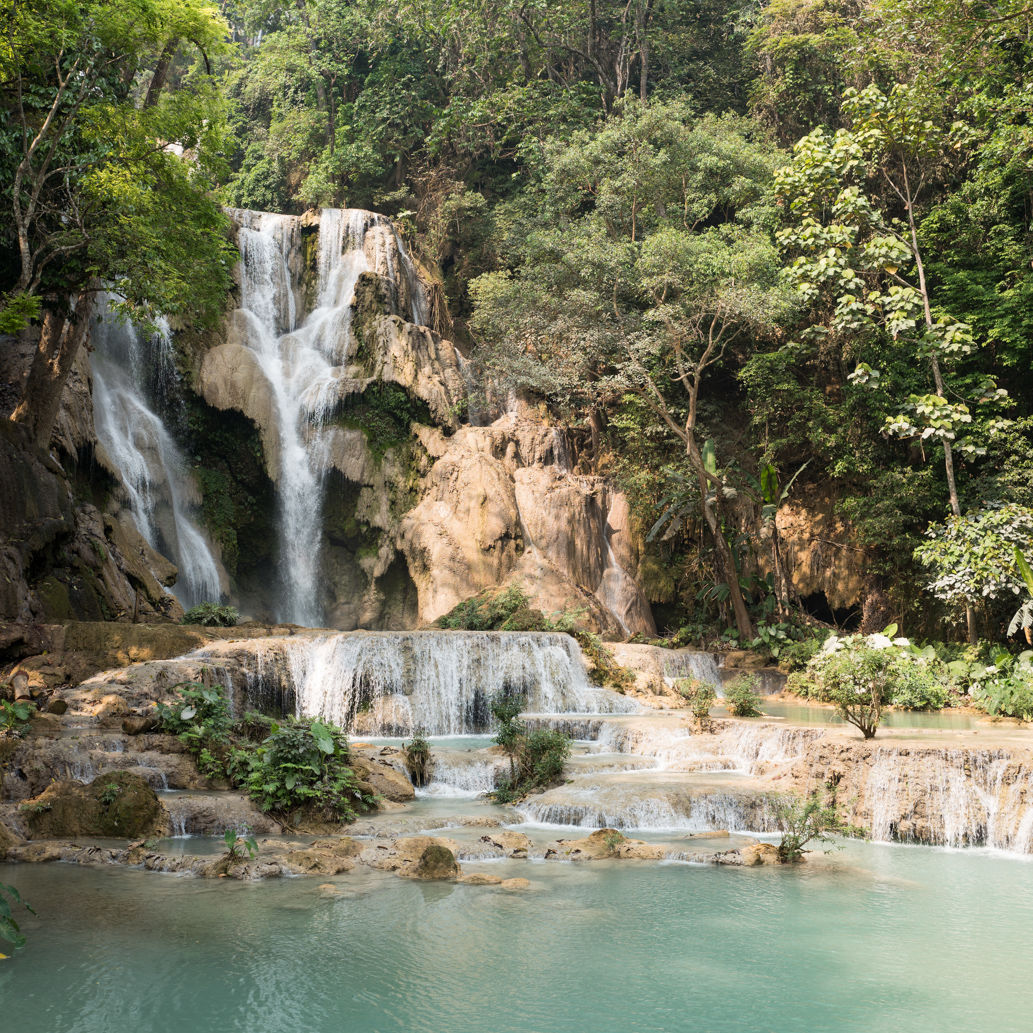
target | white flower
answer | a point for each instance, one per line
(831, 644)
(902, 642)
(879, 642)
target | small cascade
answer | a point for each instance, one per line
(455, 775)
(952, 798)
(654, 807)
(301, 358)
(132, 375)
(692, 663)
(389, 683)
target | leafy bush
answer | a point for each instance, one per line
(303, 765)
(802, 820)
(417, 757)
(741, 697)
(536, 758)
(699, 695)
(857, 680)
(212, 615)
(14, 717)
(201, 719)
(491, 611)
(1004, 686)
(917, 686)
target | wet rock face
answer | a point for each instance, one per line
(443, 511)
(119, 804)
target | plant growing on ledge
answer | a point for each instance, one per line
(700, 697)
(201, 719)
(212, 615)
(417, 757)
(303, 765)
(536, 758)
(741, 697)
(802, 820)
(239, 842)
(14, 717)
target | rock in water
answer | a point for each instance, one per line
(436, 862)
(118, 804)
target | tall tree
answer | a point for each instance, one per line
(106, 170)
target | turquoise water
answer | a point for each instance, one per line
(871, 938)
(802, 713)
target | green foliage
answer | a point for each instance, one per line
(212, 615)
(613, 840)
(385, 413)
(803, 820)
(506, 610)
(302, 766)
(201, 718)
(536, 758)
(700, 696)
(110, 794)
(1004, 686)
(15, 715)
(972, 557)
(741, 697)
(417, 757)
(239, 842)
(10, 899)
(92, 180)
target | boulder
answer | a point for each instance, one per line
(436, 863)
(509, 844)
(480, 879)
(118, 804)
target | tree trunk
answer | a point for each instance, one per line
(59, 342)
(726, 561)
(161, 72)
(643, 51)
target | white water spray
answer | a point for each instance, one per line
(162, 497)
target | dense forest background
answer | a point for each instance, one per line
(745, 250)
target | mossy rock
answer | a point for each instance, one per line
(117, 804)
(436, 862)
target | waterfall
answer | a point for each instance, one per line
(389, 683)
(131, 372)
(692, 663)
(302, 360)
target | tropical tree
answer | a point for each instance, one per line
(640, 262)
(852, 203)
(105, 162)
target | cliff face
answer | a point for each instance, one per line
(418, 508)
(325, 469)
(68, 547)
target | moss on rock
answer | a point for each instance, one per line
(117, 804)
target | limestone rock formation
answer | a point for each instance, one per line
(119, 804)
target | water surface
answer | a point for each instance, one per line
(872, 938)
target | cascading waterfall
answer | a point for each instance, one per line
(383, 683)
(301, 360)
(969, 797)
(131, 371)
